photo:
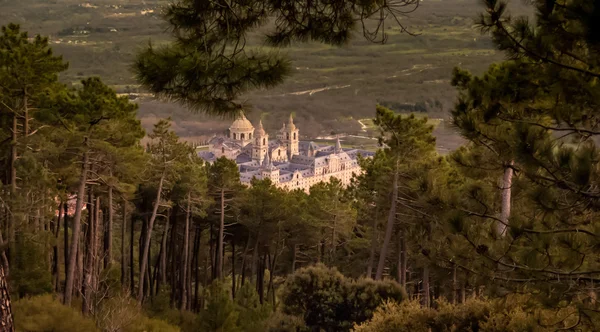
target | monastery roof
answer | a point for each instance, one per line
(241, 124)
(207, 156)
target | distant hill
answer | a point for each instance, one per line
(331, 87)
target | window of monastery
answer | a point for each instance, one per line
(287, 136)
(234, 136)
(243, 136)
(294, 135)
(264, 141)
(279, 153)
(222, 150)
(249, 136)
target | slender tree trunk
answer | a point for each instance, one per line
(55, 260)
(260, 283)
(220, 243)
(76, 230)
(454, 285)
(212, 253)
(131, 258)
(373, 247)
(255, 257)
(148, 236)
(294, 257)
(403, 261)
(6, 317)
(506, 198)
(88, 270)
(97, 243)
(426, 295)
(184, 260)
(66, 237)
(196, 268)
(244, 255)
(233, 267)
(163, 254)
(161, 262)
(13, 180)
(109, 230)
(157, 269)
(389, 228)
(80, 265)
(333, 241)
(123, 246)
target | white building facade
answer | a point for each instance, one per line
(289, 163)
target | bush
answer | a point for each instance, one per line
(327, 300)
(411, 317)
(46, 313)
(511, 314)
(280, 322)
(220, 314)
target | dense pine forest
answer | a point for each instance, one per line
(101, 232)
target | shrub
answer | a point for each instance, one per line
(327, 300)
(511, 314)
(46, 313)
(280, 322)
(121, 313)
(220, 314)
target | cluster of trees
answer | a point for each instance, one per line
(500, 235)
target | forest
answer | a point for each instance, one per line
(107, 227)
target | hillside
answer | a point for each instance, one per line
(330, 89)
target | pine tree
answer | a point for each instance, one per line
(546, 98)
(209, 66)
(167, 156)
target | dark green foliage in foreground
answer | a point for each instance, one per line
(329, 301)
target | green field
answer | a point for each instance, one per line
(408, 73)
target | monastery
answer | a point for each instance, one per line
(289, 163)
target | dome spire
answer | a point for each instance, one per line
(338, 145)
(261, 130)
(266, 161)
(291, 125)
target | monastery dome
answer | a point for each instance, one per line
(241, 124)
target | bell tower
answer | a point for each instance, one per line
(292, 136)
(261, 144)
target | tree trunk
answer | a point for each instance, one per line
(131, 258)
(6, 317)
(260, 280)
(454, 285)
(96, 246)
(506, 198)
(426, 295)
(88, 270)
(184, 260)
(220, 242)
(65, 208)
(13, 180)
(196, 263)
(233, 268)
(123, 246)
(389, 228)
(294, 257)
(76, 230)
(373, 247)
(244, 255)
(148, 236)
(55, 250)
(254, 268)
(163, 254)
(109, 230)
(403, 261)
